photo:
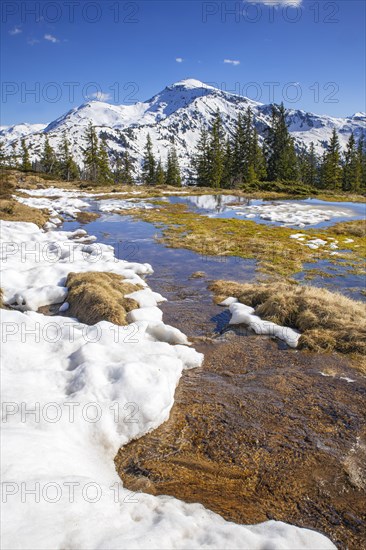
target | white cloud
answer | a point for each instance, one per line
(16, 30)
(101, 96)
(294, 3)
(51, 38)
(33, 41)
(179, 59)
(232, 61)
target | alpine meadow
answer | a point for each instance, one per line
(183, 321)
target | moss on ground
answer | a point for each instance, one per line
(277, 254)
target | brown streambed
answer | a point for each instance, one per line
(258, 433)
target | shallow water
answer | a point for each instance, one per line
(257, 433)
(190, 306)
(230, 206)
(338, 278)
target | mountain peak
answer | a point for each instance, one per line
(360, 114)
(176, 116)
(190, 84)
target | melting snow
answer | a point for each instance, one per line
(73, 394)
(242, 314)
(293, 214)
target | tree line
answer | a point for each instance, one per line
(96, 162)
(223, 161)
(220, 160)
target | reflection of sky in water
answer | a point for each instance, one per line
(222, 206)
(190, 306)
(188, 297)
(341, 280)
(135, 241)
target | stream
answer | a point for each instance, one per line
(259, 431)
(190, 306)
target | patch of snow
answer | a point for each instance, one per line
(111, 205)
(242, 314)
(95, 389)
(228, 301)
(35, 264)
(63, 206)
(146, 297)
(293, 214)
(145, 314)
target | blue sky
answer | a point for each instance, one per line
(309, 54)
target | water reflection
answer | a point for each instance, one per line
(289, 213)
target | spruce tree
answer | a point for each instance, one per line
(248, 163)
(173, 176)
(361, 152)
(309, 165)
(127, 169)
(227, 176)
(26, 164)
(148, 163)
(238, 155)
(104, 171)
(257, 166)
(331, 171)
(312, 166)
(351, 176)
(159, 174)
(201, 160)
(67, 166)
(247, 147)
(281, 155)
(118, 169)
(216, 152)
(91, 153)
(48, 159)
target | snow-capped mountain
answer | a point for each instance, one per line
(174, 116)
(18, 131)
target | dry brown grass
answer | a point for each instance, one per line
(7, 186)
(86, 217)
(95, 297)
(327, 320)
(13, 211)
(356, 228)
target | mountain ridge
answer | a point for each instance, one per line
(174, 116)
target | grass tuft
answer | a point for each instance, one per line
(328, 321)
(95, 297)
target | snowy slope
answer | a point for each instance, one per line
(73, 394)
(11, 133)
(175, 116)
